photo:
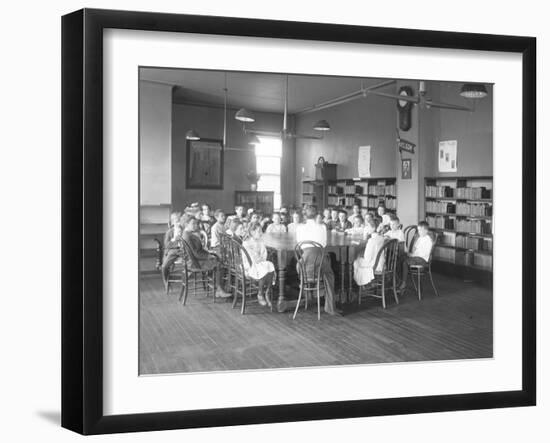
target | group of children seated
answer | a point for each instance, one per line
(202, 232)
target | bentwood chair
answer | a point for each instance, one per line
(409, 232)
(204, 239)
(310, 273)
(419, 271)
(202, 276)
(159, 254)
(227, 263)
(385, 277)
(244, 285)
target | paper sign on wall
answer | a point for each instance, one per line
(447, 156)
(363, 163)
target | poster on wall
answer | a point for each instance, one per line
(363, 163)
(447, 156)
(406, 169)
(204, 164)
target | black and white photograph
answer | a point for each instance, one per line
(279, 226)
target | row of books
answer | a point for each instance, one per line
(381, 190)
(439, 191)
(440, 206)
(308, 188)
(440, 222)
(308, 199)
(332, 189)
(463, 225)
(475, 226)
(474, 209)
(348, 201)
(476, 243)
(353, 189)
(473, 193)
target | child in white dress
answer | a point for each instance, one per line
(260, 269)
(296, 220)
(357, 228)
(277, 225)
(363, 267)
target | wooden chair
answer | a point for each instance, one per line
(192, 272)
(384, 279)
(159, 254)
(420, 270)
(227, 263)
(409, 232)
(204, 239)
(244, 285)
(310, 275)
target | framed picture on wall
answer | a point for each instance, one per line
(141, 346)
(204, 164)
(406, 168)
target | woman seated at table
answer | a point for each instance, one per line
(261, 269)
(363, 267)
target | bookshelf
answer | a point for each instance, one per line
(460, 209)
(315, 192)
(366, 192)
(261, 201)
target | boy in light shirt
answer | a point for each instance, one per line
(395, 231)
(420, 253)
(217, 229)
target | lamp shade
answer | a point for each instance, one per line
(473, 90)
(192, 135)
(254, 140)
(321, 125)
(244, 115)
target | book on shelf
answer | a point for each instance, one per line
(464, 193)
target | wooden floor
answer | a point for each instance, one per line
(203, 336)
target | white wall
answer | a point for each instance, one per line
(155, 143)
(30, 180)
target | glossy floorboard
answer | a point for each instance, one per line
(203, 336)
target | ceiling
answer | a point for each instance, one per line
(255, 91)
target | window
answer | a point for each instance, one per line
(268, 165)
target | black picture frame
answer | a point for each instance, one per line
(82, 237)
(198, 177)
(406, 169)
